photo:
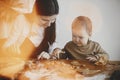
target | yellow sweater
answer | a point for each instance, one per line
(10, 62)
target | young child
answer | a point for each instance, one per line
(81, 47)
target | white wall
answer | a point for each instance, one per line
(105, 15)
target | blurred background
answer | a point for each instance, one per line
(105, 16)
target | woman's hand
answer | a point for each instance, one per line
(44, 55)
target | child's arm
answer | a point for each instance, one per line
(100, 57)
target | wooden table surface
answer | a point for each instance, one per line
(85, 68)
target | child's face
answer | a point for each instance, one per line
(79, 35)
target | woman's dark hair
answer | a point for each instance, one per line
(47, 8)
(49, 38)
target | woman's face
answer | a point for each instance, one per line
(45, 21)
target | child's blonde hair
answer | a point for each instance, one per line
(83, 20)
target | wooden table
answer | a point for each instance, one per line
(82, 67)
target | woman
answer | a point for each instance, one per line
(34, 34)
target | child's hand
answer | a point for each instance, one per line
(56, 52)
(91, 58)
